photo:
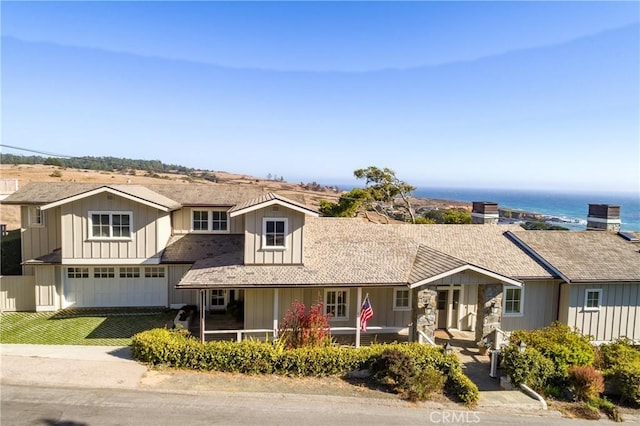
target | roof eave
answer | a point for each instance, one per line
(110, 190)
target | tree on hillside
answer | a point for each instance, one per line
(384, 186)
(457, 216)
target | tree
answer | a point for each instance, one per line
(347, 206)
(383, 186)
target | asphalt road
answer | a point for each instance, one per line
(50, 405)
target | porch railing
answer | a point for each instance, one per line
(267, 332)
(240, 333)
(501, 338)
(423, 338)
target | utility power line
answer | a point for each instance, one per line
(50, 154)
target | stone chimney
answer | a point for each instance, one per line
(603, 217)
(484, 212)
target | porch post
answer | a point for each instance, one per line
(275, 312)
(202, 307)
(359, 308)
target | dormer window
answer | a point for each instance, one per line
(36, 217)
(110, 225)
(274, 233)
(209, 221)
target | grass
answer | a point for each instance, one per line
(109, 327)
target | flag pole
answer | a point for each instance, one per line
(359, 305)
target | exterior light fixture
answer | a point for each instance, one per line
(494, 308)
(448, 348)
(522, 346)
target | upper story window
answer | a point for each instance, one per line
(209, 221)
(274, 233)
(592, 299)
(116, 225)
(78, 272)
(36, 217)
(513, 298)
(401, 299)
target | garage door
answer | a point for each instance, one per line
(115, 287)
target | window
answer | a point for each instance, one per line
(77, 272)
(513, 297)
(592, 299)
(274, 232)
(217, 299)
(115, 225)
(104, 272)
(130, 272)
(36, 217)
(153, 272)
(209, 221)
(401, 299)
(336, 303)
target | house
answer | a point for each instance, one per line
(92, 245)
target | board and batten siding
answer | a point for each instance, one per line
(258, 311)
(253, 251)
(618, 315)
(150, 228)
(37, 241)
(17, 293)
(48, 288)
(180, 297)
(540, 307)
(182, 220)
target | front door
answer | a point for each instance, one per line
(455, 303)
(218, 300)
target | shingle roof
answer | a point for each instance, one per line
(188, 248)
(343, 251)
(430, 262)
(267, 198)
(39, 193)
(586, 255)
(223, 195)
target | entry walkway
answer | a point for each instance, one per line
(477, 367)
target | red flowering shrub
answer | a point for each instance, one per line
(300, 328)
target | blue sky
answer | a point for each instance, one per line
(539, 95)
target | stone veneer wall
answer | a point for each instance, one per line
(426, 318)
(487, 321)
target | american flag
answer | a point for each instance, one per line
(366, 313)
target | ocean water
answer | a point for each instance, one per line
(570, 207)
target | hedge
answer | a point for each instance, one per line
(180, 350)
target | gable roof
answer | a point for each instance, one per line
(353, 252)
(584, 256)
(270, 199)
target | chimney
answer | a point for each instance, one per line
(484, 212)
(603, 217)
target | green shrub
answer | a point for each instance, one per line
(615, 353)
(529, 367)
(425, 382)
(620, 363)
(606, 407)
(586, 381)
(462, 388)
(627, 378)
(557, 342)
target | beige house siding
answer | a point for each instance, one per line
(17, 293)
(258, 306)
(47, 289)
(618, 315)
(180, 297)
(39, 240)
(540, 307)
(149, 227)
(253, 251)
(182, 220)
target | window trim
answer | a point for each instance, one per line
(346, 303)
(395, 300)
(111, 213)
(504, 301)
(209, 229)
(264, 232)
(32, 216)
(586, 298)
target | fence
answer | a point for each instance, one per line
(17, 293)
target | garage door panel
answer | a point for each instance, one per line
(115, 292)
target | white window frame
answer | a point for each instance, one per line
(77, 272)
(104, 272)
(504, 301)
(129, 272)
(36, 217)
(154, 272)
(586, 299)
(346, 291)
(210, 221)
(110, 214)
(395, 299)
(265, 220)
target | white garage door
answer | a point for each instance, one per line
(115, 287)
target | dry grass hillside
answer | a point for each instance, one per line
(26, 173)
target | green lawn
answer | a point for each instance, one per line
(112, 327)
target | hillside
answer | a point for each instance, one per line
(25, 173)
